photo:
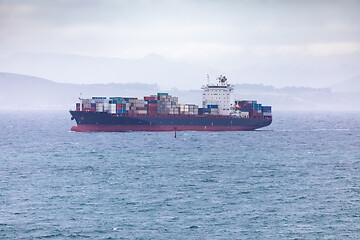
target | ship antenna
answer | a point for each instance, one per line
(208, 79)
(80, 98)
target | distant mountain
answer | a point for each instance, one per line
(350, 85)
(27, 92)
(168, 73)
(288, 98)
(68, 68)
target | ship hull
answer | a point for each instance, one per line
(104, 122)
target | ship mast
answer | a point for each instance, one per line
(80, 98)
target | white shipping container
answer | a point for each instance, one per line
(140, 111)
(137, 102)
(139, 105)
(244, 114)
(267, 114)
(214, 111)
(112, 108)
(164, 103)
(99, 107)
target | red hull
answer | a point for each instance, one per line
(154, 128)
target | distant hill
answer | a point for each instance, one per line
(350, 85)
(168, 73)
(28, 92)
(67, 68)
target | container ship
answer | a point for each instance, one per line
(220, 111)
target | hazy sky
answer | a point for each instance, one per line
(222, 34)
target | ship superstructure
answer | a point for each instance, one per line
(219, 97)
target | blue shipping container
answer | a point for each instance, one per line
(204, 110)
(117, 98)
(266, 108)
(212, 106)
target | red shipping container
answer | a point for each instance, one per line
(255, 114)
(90, 109)
(152, 113)
(149, 98)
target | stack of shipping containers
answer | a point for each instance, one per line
(120, 105)
(166, 104)
(214, 109)
(152, 105)
(266, 110)
(249, 109)
(138, 106)
(163, 103)
(189, 109)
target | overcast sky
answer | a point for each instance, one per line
(221, 34)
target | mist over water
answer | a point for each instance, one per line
(297, 178)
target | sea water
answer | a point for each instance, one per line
(299, 178)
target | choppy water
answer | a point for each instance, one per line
(297, 179)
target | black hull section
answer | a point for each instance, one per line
(100, 121)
